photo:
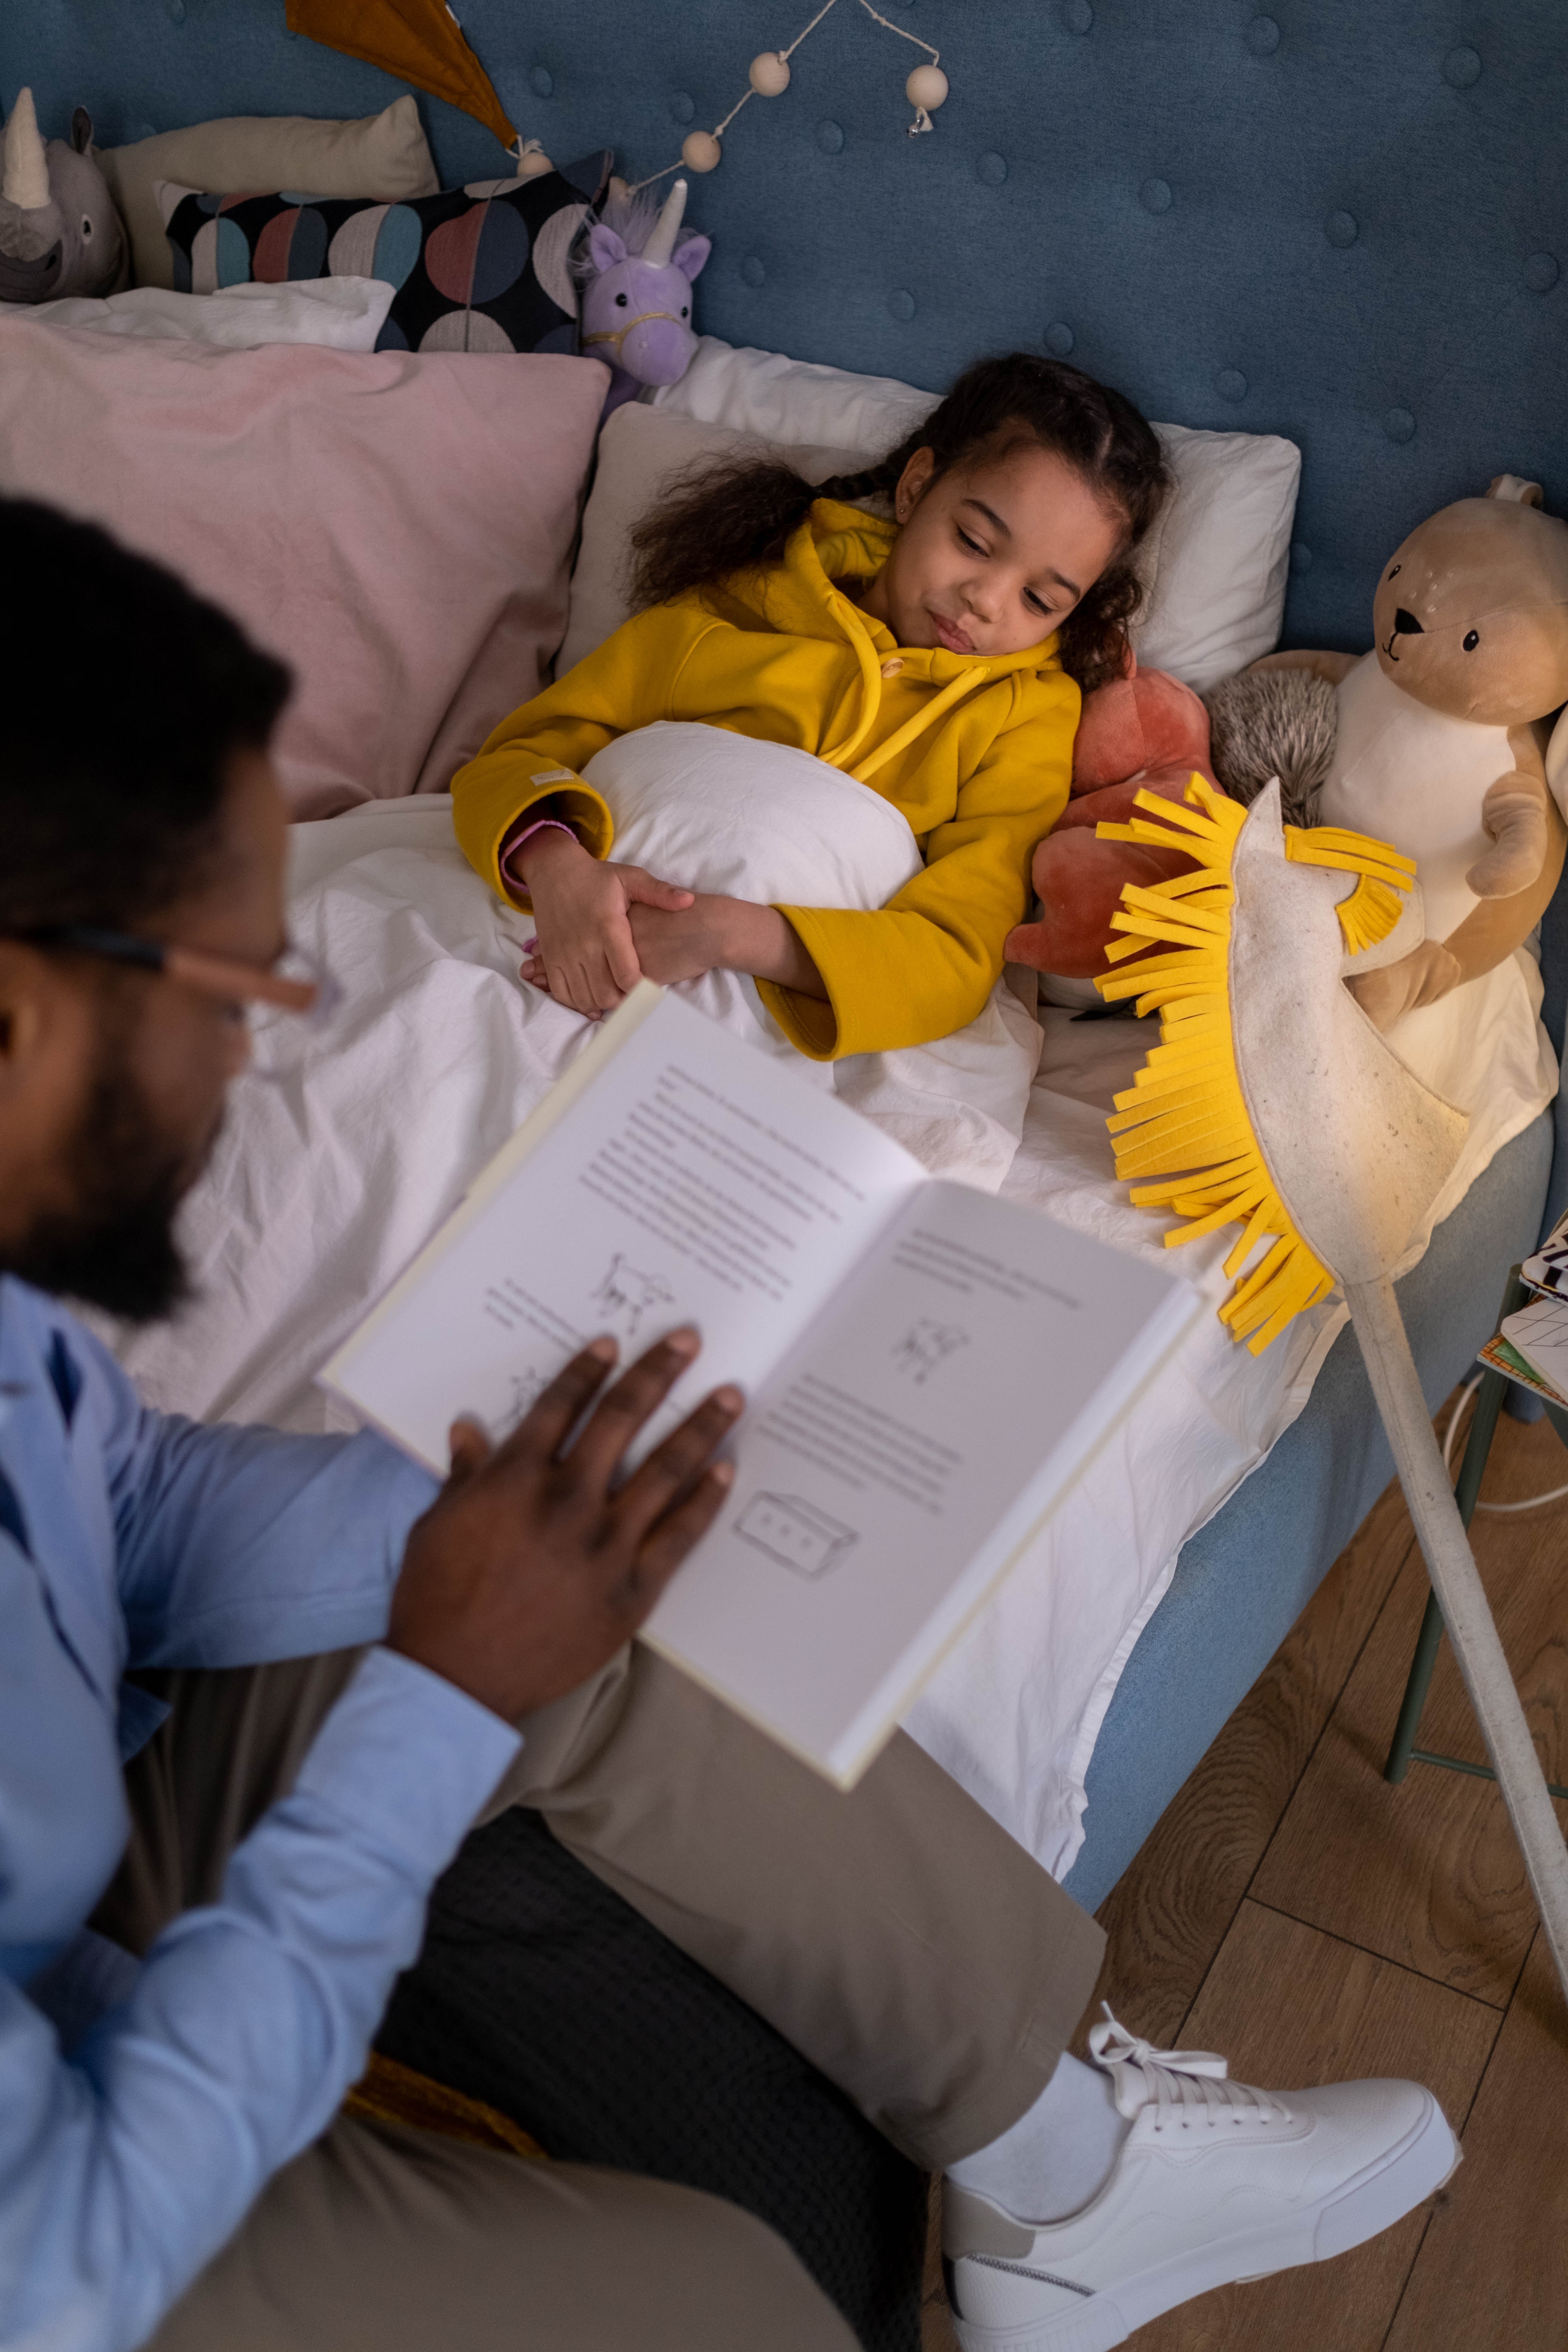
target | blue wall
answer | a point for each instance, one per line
(1343, 220)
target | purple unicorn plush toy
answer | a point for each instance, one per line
(636, 303)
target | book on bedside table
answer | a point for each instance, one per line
(1530, 1346)
(928, 1370)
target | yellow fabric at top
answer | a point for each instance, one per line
(977, 752)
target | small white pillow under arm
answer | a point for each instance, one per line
(1216, 566)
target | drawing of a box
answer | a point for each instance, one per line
(796, 1533)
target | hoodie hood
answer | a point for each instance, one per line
(801, 596)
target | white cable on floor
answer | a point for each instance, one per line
(1533, 1502)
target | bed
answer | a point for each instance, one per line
(1289, 226)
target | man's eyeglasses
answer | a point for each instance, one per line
(292, 984)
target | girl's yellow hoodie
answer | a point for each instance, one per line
(975, 751)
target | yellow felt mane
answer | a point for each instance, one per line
(1184, 1119)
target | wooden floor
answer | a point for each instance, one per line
(1295, 1912)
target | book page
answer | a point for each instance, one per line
(902, 1455)
(693, 1179)
(1538, 1333)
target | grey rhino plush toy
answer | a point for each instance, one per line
(59, 231)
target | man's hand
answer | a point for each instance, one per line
(716, 934)
(528, 1572)
(586, 955)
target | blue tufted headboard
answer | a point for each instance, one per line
(1342, 220)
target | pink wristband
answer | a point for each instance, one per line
(540, 824)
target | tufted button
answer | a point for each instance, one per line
(541, 82)
(1399, 425)
(1262, 37)
(682, 107)
(1542, 272)
(1461, 69)
(991, 169)
(1155, 196)
(1230, 385)
(901, 304)
(1077, 16)
(1060, 339)
(753, 271)
(175, 11)
(1300, 557)
(1341, 228)
(830, 138)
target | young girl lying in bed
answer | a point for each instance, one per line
(938, 658)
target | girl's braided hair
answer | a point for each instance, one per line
(740, 514)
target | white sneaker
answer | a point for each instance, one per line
(1215, 2181)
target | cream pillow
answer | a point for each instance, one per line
(641, 450)
(1216, 566)
(243, 154)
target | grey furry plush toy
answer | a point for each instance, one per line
(1280, 722)
(59, 232)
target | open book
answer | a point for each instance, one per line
(926, 1369)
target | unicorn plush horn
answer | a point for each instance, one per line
(660, 246)
(26, 180)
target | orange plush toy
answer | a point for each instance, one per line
(1144, 732)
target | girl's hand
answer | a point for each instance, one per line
(584, 954)
(714, 934)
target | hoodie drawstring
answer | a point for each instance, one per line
(870, 683)
(937, 708)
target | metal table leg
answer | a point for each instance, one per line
(1483, 1428)
(1450, 1564)
(1478, 1448)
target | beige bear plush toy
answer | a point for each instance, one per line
(1440, 746)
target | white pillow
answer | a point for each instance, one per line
(640, 450)
(786, 399)
(1215, 563)
(341, 314)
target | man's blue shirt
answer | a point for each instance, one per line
(131, 1539)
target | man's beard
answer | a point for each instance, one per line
(114, 1246)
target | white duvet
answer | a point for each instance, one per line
(321, 1190)
(326, 1182)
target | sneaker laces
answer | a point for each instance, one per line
(1183, 2086)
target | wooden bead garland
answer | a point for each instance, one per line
(769, 76)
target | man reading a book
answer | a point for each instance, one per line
(317, 1668)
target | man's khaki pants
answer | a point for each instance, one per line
(896, 1936)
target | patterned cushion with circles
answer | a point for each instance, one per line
(484, 268)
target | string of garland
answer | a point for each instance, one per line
(701, 151)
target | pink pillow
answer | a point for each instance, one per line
(396, 526)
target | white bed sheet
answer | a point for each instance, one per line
(303, 1223)
(1015, 1712)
